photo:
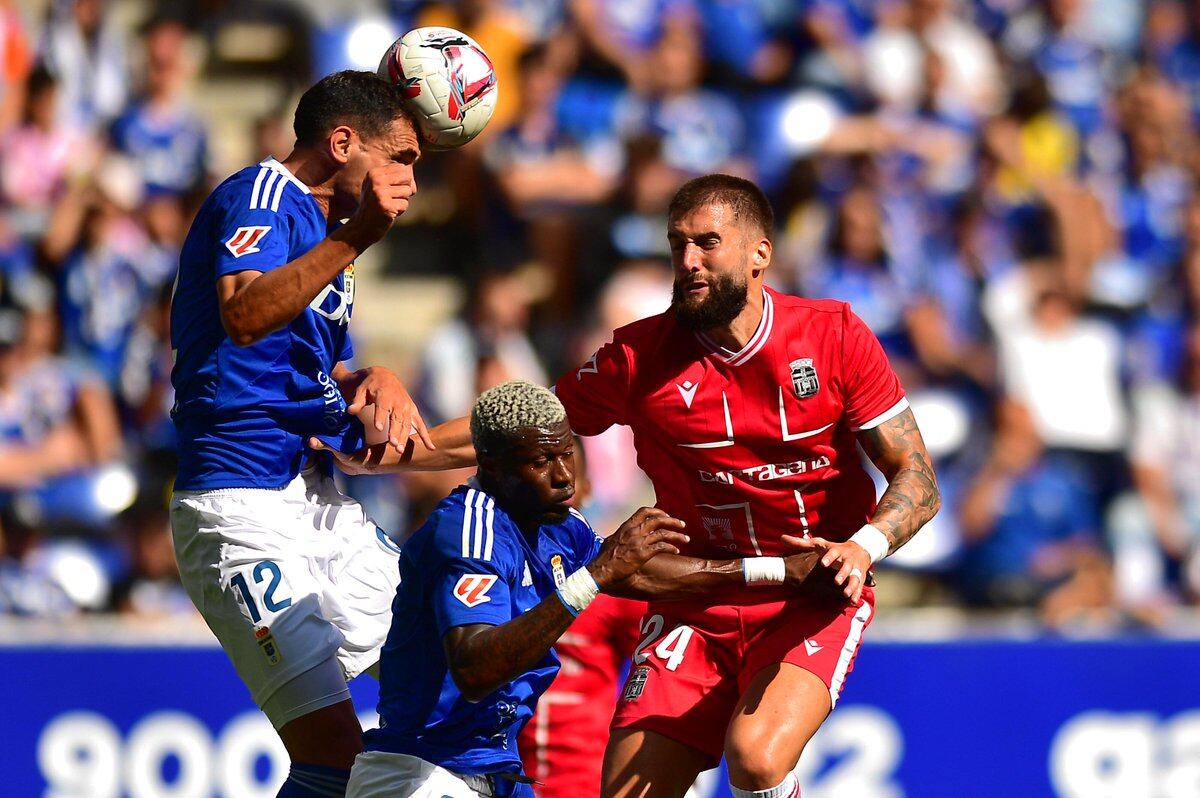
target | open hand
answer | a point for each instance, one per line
(395, 414)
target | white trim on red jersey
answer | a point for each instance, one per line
(756, 342)
(857, 625)
(886, 415)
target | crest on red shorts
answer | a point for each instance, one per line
(472, 589)
(636, 683)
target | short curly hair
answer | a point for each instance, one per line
(502, 411)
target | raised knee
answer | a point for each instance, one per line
(754, 763)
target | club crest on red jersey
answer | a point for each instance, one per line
(472, 589)
(804, 378)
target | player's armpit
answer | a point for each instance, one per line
(482, 658)
(912, 496)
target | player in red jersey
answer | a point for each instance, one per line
(563, 746)
(746, 406)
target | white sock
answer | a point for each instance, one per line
(788, 788)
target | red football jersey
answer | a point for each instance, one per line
(563, 745)
(745, 446)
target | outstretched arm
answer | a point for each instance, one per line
(453, 449)
(669, 577)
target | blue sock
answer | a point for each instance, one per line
(314, 781)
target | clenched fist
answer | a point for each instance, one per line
(386, 191)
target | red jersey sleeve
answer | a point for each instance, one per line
(596, 393)
(873, 391)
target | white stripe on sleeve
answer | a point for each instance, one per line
(886, 415)
(258, 181)
(279, 185)
(477, 526)
(487, 547)
(266, 190)
(466, 527)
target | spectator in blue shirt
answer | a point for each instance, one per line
(1030, 522)
(160, 131)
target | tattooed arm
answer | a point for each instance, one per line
(911, 499)
(912, 496)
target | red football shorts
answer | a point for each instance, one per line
(694, 661)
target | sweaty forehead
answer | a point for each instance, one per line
(533, 441)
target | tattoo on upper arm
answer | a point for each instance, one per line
(912, 496)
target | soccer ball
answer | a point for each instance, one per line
(447, 80)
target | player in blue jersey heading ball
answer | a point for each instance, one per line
(489, 583)
(292, 577)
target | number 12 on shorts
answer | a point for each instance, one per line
(670, 649)
(265, 570)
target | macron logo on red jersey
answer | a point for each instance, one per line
(472, 589)
(245, 240)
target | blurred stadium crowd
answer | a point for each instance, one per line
(1003, 189)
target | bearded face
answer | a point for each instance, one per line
(713, 300)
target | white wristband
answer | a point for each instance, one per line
(763, 570)
(874, 541)
(578, 590)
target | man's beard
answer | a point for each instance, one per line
(727, 296)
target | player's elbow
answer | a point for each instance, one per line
(239, 333)
(935, 502)
(470, 684)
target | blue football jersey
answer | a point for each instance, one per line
(468, 564)
(243, 414)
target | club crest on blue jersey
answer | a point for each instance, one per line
(560, 574)
(804, 378)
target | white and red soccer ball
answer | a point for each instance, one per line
(447, 79)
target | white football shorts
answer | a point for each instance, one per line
(286, 578)
(377, 774)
